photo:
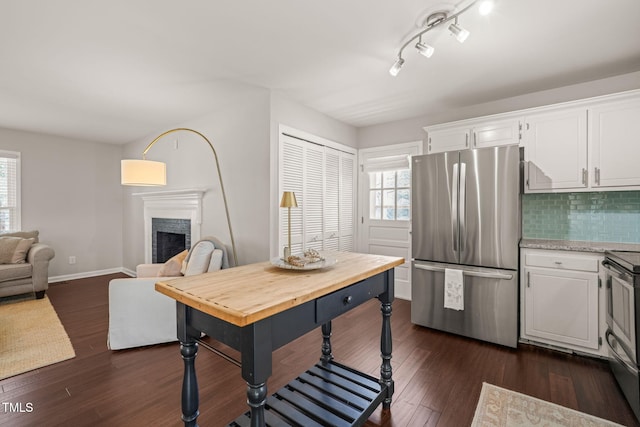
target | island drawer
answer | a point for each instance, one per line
(343, 300)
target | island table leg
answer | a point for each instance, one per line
(256, 367)
(385, 338)
(190, 399)
(327, 355)
(189, 351)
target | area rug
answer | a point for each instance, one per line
(505, 408)
(31, 336)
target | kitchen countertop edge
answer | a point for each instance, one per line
(578, 246)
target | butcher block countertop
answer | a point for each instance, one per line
(575, 245)
(248, 293)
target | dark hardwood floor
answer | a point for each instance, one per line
(437, 376)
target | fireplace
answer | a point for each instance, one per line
(170, 236)
(171, 212)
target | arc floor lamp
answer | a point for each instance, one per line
(151, 173)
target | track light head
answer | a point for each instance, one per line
(425, 49)
(460, 33)
(395, 68)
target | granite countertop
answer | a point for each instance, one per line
(575, 245)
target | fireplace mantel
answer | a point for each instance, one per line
(171, 204)
(188, 193)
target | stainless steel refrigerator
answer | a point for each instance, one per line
(466, 217)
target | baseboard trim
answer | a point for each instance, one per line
(85, 274)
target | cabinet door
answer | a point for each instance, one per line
(313, 200)
(493, 134)
(339, 200)
(323, 180)
(556, 150)
(561, 306)
(450, 139)
(615, 151)
(347, 201)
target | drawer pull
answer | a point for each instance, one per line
(557, 262)
(347, 300)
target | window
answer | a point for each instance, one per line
(390, 195)
(9, 191)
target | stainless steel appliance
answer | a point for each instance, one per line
(623, 321)
(466, 216)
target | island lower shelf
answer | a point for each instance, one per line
(328, 394)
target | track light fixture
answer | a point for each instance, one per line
(460, 33)
(435, 20)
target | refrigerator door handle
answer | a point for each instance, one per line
(462, 214)
(499, 276)
(454, 207)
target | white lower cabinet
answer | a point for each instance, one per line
(561, 299)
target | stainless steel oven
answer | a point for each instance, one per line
(623, 319)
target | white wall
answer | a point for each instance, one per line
(238, 127)
(71, 193)
(71, 190)
(411, 129)
(285, 111)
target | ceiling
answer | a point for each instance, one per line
(119, 70)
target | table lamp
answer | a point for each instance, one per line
(288, 201)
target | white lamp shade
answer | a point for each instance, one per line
(143, 173)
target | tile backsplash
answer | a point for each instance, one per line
(609, 216)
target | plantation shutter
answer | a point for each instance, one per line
(291, 160)
(347, 202)
(332, 200)
(323, 180)
(313, 195)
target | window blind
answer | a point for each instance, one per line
(9, 191)
(380, 164)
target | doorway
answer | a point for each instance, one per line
(385, 206)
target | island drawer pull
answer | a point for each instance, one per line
(343, 300)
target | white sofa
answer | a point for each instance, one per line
(139, 315)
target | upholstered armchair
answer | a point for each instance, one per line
(138, 315)
(24, 264)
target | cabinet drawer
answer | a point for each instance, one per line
(563, 262)
(338, 302)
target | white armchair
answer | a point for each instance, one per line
(138, 315)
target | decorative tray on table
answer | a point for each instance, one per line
(310, 260)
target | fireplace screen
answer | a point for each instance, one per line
(169, 237)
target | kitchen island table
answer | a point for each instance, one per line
(258, 308)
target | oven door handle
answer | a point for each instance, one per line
(616, 355)
(614, 271)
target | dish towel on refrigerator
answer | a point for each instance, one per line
(453, 289)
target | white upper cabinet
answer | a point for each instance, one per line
(472, 134)
(500, 132)
(586, 145)
(615, 145)
(556, 150)
(448, 139)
